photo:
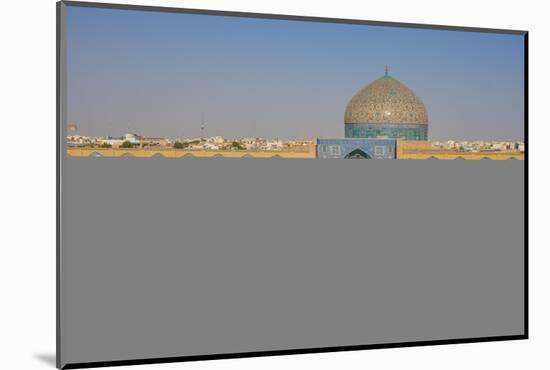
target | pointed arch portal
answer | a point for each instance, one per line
(357, 154)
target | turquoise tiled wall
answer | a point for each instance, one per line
(397, 131)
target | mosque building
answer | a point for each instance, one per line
(378, 116)
(386, 109)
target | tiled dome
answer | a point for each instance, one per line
(386, 101)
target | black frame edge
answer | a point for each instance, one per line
(58, 71)
(285, 352)
(288, 17)
(526, 183)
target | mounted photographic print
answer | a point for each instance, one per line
(207, 209)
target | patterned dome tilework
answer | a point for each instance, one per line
(386, 100)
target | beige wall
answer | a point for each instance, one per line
(425, 150)
(297, 152)
(405, 150)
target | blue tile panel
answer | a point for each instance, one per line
(393, 131)
(356, 148)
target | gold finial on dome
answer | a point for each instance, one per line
(386, 70)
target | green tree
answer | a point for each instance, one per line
(178, 145)
(105, 145)
(237, 145)
(126, 144)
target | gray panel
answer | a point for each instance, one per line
(175, 257)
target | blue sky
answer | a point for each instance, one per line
(158, 74)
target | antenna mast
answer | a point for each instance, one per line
(202, 126)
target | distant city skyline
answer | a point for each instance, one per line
(162, 74)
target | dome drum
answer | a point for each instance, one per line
(394, 131)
